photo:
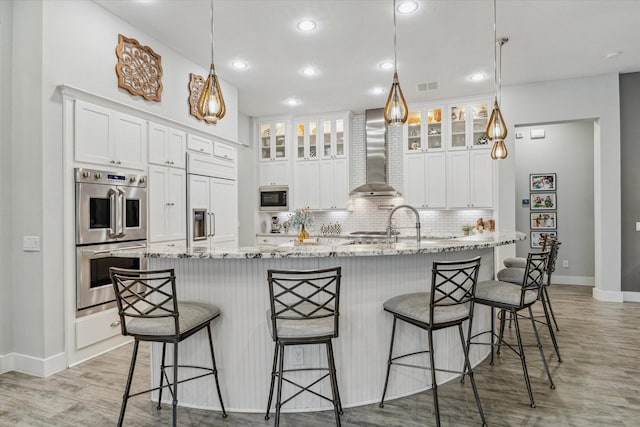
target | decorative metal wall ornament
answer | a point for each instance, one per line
(139, 69)
(196, 84)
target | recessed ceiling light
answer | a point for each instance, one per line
(386, 65)
(377, 91)
(239, 65)
(615, 54)
(292, 102)
(477, 77)
(407, 7)
(309, 71)
(306, 25)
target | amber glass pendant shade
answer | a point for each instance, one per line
(497, 128)
(396, 110)
(211, 103)
(499, 150)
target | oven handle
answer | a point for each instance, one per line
(123, 211)
(112, 214)
(108, 251)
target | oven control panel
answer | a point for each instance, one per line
(94, 176)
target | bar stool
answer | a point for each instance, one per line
(304, 309)
(514, 273)
(509, 298)
(449, 304)
(150, 311)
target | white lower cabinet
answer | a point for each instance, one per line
(470, 179)
(167, 204)
(425, 180)
(97, 327)
(334, 184)
(306, 178)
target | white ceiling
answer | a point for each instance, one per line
(444, 42)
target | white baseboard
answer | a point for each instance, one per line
(608, 296)
(30, 365)
(573, 280)
(631, 296)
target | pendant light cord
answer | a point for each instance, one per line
(211, 32)
(495, 42)
(395, 55)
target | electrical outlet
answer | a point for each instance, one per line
(31, 243)
(565, 263)
(297, 356)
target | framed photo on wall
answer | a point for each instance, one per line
(540, 201)
(542, 182)
(543, 221)
(537, 238)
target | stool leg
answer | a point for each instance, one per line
(175, 384)
(493, 332)
(502, 322)
(127, 388)
(279, 395)
(215, 371)
(334, 384)
(514, 316)
(550, 327)
(386, 379)
(467, 368)
(553, 316)
(335, 378)
(273, 379)
(544, 361)
(164, 352)
(434, 385)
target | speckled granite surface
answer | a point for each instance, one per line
(479, 241)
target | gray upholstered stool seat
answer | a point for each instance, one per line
(303, 328)
(192, 314)
(503, 292)
(515, 275)
(516, 262)
(416, 306)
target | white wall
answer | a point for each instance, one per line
(593, 98)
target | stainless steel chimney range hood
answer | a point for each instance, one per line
(376, 157)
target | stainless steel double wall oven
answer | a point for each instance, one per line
(111, 213)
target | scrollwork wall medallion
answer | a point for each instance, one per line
(196, 83)
(139, 69)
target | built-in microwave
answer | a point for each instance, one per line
(274, 198)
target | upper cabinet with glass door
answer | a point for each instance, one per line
(322, 137)
(273, 140)
(424, 130)
(468, 126)
(334, 140)
(307, 137)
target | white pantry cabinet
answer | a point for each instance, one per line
(167, 203)
(470, 179)
(167, 146)
(108, 137)
(425, 180)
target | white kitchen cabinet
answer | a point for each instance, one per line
(219, 199)
(274, 173)
(167, 203)
(224, 151)
(200, 144)
(334, 184)
(467, 125)
(273, 140)
(470, 179)
(167, 146)
(306, 185)
(424, 130)
(425, 180)
(109, 137)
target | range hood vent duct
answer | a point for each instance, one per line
(376, 157)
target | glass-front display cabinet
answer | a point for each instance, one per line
(273, 141)
(468, 126)
(424, 131)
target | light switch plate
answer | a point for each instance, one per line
(537, 133)
(31, 243)
(637, 226)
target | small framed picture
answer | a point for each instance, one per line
(542, 182)
(537, 237)
(540, 201)
(543, 221)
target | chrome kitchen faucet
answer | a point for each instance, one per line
(390, 227)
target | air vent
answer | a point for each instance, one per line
(427, 86)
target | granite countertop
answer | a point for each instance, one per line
(478, 241)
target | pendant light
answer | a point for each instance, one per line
(497, 128)
(211, 103)
(395, 110)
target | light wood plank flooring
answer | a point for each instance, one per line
(598, 384)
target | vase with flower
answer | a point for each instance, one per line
(304, 219)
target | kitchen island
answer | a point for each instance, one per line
(236, 281)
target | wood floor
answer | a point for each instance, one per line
(598, 384)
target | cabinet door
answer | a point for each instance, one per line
(480, 113)
(274, 173)
(176, 147)
(176, 196)
(458, 182)
(306, 186)
(340, 183)
(93, 134)
(458, 128)
(199, 144)
(130, 141)
(158, 144)
(415, 179)
(224, 206)
(158, 203)
(413, 133)
(481, 180)
(435, 180)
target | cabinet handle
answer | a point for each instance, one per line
(202, 149)
(172, 162)
(167, 162)
(114, 324)
(113, 162)
(118, 162)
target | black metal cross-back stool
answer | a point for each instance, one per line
(514, 273)
(304, 309)
(150, 311)
(509, 298)
(449, 304)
